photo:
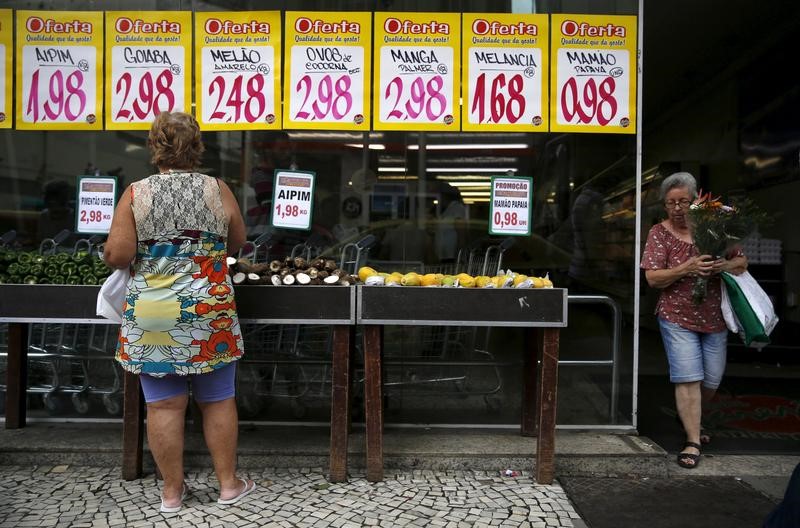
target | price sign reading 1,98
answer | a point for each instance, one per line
(146, 80)
(416, 84)
(510, 206)
(293, 196)
(59, 84)
(593, 87)
(505, 86)
(327, 84)
(238, 84)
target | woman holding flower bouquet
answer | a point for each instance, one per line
(692, 327)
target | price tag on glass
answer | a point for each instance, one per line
(58, 80)
(237, 56)
(96, 201)
(416, 85)
(328, 57)
(594, 87)
(505, 73)
(293, 199)
(6, 61)
(147, 66)
(511, 208)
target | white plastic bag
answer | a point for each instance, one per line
(111, 298)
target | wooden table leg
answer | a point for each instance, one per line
(132, 428)
(545, 444)
(531, 350)
(17, 375)
(340, 403)
(373, 402)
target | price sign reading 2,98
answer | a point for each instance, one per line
(61, 86)
(593, 87)
(327, 82)
(416, 84)
(147, 80)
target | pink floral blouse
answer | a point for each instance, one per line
(664, 250)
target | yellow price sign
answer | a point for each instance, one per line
(6, 63)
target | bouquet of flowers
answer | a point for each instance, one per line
(716, 229)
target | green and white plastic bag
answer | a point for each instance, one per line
(747, 309)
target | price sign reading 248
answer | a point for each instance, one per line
(148, 81)
(416, 84)
(593, 87)
(238, 85)
(61, 87)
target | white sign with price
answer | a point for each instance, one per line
(593, 80)
(96, 202)
(60, 72)
(148, 67)
(292, 199)
(510, 211)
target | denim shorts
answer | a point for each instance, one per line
(214, 386)
(694, 356)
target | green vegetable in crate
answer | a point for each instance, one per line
(73, 280)
(51, 270)
(24, 258)
(13, 268)
(30, 279)
(69, 269)
(57, 279)
(3, 278)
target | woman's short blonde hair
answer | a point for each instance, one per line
(174, 141)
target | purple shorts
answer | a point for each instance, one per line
(214, 386)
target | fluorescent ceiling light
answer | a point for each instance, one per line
(471, 146)
(397, 177)
(470, 183)
(495, 170)
(475, 193)
(391, 169)
(464, 177)
(371, 146)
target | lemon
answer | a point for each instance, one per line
(410, 279)
(483, 281)
(465, 280)
(364, 272)
(431, 279)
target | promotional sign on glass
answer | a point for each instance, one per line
(238, 70)
(505, 72)
(511, 207)
(96, 201)
(593, 83)
(148, 56)
(292, 199)
(328, 57)
(6, 60)
(416, 84)
(59, 70)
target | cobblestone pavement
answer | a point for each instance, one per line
(79, 497)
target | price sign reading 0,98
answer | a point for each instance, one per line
(593, 87)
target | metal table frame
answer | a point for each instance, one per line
(540, 312)
(21, 305)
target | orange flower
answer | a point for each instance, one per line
(219, 290)
(222, 343)
(221, 323)
(214, 268)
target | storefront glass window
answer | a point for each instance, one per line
(424, 199)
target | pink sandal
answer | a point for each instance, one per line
(174, 509)
(249, 487)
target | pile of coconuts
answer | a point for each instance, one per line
(288, 272)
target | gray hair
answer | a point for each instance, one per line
(678, 180)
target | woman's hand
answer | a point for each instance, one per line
(734, 266)
(701, 266)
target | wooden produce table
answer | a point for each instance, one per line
(540, 311)
(21, 305)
